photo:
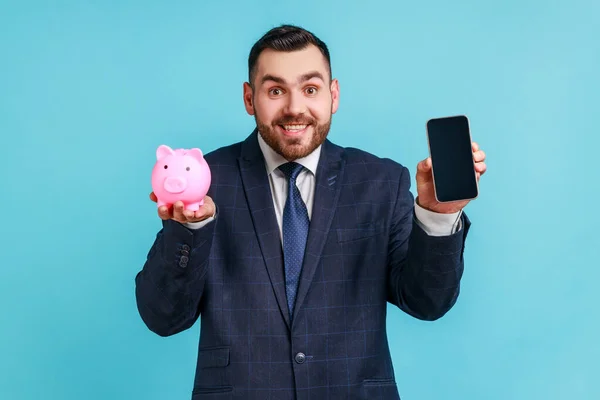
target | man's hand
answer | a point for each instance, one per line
(177, 213)
(425, 190)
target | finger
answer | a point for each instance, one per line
(207, 210)
(202, 213)
(199, 214)
(188, 214)
(163, 212)
(479, 156)
(480, 167)
(474, 146)
(153, 197)
(178, 211)
(425, 165)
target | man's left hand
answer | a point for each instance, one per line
(425, 190)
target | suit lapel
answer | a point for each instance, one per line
(260, 202)
(327, 191)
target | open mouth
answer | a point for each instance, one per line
(293, 129)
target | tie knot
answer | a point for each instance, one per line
(291, 169)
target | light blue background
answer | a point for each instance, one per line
(88, 90)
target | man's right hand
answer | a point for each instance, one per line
(177, 213)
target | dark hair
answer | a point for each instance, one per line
(285, 38)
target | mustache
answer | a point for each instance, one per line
(294, 121)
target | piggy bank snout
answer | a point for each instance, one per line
(175, 184)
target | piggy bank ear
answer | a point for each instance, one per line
(163, 151)
(196, 153)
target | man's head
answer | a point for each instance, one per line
(290, 90)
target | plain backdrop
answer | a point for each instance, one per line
(90, 89)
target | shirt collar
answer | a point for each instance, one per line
(273, 159)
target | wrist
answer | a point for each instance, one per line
(439, 208)
(423, 206)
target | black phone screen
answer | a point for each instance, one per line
(452, 158)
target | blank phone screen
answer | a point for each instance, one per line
(452, 158)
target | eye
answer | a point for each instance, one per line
(275, 92)
(187, 168)
(166, 166)
(311, 90)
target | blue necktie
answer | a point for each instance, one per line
(295, 232)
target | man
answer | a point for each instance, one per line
(299, 246)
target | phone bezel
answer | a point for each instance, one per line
(473, 160)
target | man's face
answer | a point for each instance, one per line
(293, 100)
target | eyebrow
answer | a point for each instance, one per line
(303, 78)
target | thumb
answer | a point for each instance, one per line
(424, 165)
(423, 171)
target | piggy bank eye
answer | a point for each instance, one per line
(166, 166)
(187, 168)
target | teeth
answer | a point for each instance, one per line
(294, 127)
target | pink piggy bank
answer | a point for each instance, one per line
(180, 175)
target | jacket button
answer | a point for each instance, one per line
(300, 358)
(183, 261)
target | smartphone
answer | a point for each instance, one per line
(453, 167)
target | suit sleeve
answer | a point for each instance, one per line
(424, 271)
(170, 285)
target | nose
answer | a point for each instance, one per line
(175, 184)
(295, 104)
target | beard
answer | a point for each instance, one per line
(293, 148)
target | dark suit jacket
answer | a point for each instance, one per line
(364, 250)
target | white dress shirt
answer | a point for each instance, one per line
(434, 224)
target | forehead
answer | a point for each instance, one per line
(291, 65)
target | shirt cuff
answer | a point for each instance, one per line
(438, 224)
(199, 224)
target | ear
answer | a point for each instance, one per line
(163, 151)
(335, 95)
(196, 153)
(248, 98)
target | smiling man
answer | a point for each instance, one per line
(300, 246)
(292, 96)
